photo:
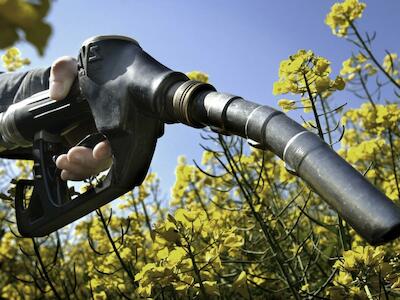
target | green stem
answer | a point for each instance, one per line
(277, 251)
(44, 270)
(146, 215)
(196, 269)
(368, 292)
(371, 55)
(342, 234)
(366, 90)
(123, 265)
(328, 127)
(198, 196)
(393, 159)
(314, 108)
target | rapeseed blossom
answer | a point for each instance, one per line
(306, 72)
(342, 15)
(355, 65)
(12, 60)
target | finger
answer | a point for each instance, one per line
(84, 157)
(80, 173)
(63, 163)
(62, 75)
(102, 150)
(79, 164)
(81, 155)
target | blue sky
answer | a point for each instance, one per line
(238, 43)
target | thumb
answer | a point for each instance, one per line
(62, 75)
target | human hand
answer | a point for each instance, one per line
(80, 162)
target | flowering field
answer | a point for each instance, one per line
(238, 226)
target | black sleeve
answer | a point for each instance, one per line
(15, 87)
(18, 86)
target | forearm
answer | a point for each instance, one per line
(18, 86)
(15, 87)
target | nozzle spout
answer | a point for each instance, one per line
(372, 215)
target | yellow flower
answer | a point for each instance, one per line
(198, 75)
(185, 281)
(168, 231)
(307, 105)
(354, 65)
(361, 58)
(100, 296)
(233, 241)
(211, 287)
(281, 88)
(343, 278)
(322, 84)
(12, 60)
(350, 260)
(287, 104)
(322, 66)
(163, 253)
(144, 291)
(391, 63)
(176, 256)
(370, 69)
(348, 67)
(339, 83)
(341, 14)
(303, 72)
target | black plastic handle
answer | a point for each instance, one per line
(125, 89)
(51, 204)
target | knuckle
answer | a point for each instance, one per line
(64, 65)
(61, 160)
(64, 60)
(75, 156)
